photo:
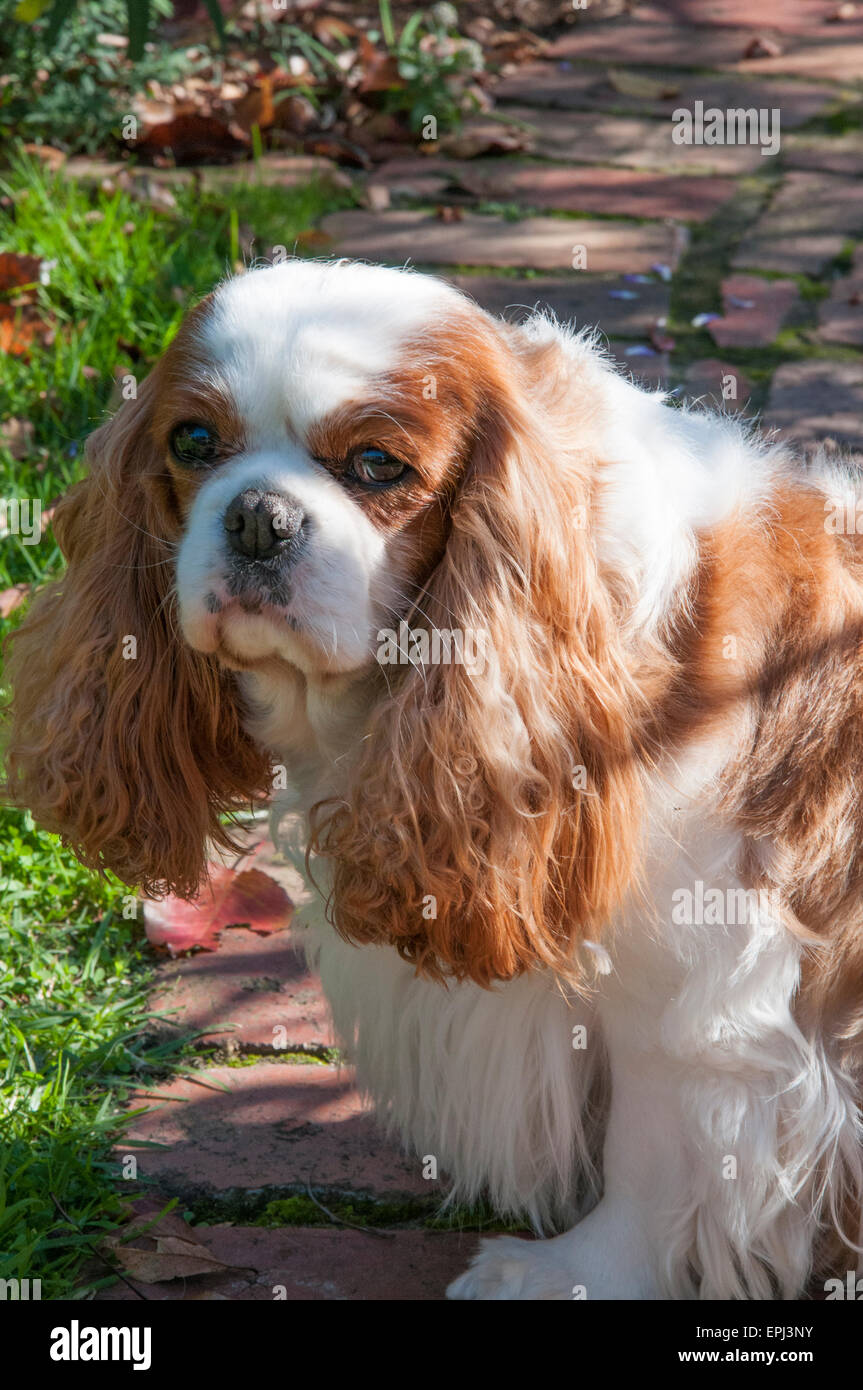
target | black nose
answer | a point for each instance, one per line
(260, 524)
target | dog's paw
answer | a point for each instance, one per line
(509, 1268)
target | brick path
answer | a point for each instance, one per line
(766, 245)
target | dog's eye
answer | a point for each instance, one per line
(372, 465)
(194, 445)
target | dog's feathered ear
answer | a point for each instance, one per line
(123, 740)
(496, 808)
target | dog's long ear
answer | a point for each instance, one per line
(495, 811)
(123, 740)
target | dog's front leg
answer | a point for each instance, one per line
(722, 1117)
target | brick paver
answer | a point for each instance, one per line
(545, 84)
(541, 243)
(255, 993)
(754, 310)
(840, 318)
(631, 141)
(818, 400)
(271, 1124)
(806, 225)
(305, 1264)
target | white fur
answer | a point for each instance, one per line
(693, 1056)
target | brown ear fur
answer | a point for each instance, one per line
(466, 842)
(132, 761)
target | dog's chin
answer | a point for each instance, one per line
(249, 634)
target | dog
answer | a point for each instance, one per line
(566, 682)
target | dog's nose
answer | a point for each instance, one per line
(260, 524)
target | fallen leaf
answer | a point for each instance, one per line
(194, 139)
(484, 137)
(295, 114)
(380, 70)
(53, 159)
(328, 27)
(761, 47)
(20, 328)
(256, 107)
(248, 898)
(634, 84)
(16, 270)
(339, 149)
(10, 599)
(168, 1249)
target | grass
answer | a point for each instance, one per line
(73, 970)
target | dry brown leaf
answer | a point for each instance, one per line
(484, 137)
(256, 107)
(194, 139)
(20, 327)
(165, 1250)
(51, 158)
(762, 47)
(18, 270)
(635, 84)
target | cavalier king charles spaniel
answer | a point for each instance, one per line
(566, 684)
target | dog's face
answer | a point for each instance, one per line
(323, 451)
(313, 428)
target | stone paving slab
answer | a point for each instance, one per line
(259, 984)
(817, 400)
(588, 137)
(840, 318)
(541, 243)
(615, 192)
(652, 38)
(777, 16)
(307, 1264)
(562, 85)
(837, 56)
(707, 379)
(839, 154)
(649, 39)
(806, 225)
(754, 310)
(275, 1124)
(580, 299)
(612, 192)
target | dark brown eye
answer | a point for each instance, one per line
(194, 445)
(373, 465)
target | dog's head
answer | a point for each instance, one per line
(327, 454)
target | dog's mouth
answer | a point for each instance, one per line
(252, 630)
(256, 584)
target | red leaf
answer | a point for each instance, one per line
(10, 599)
(231, 899)
(17, 271)
(192, 139)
